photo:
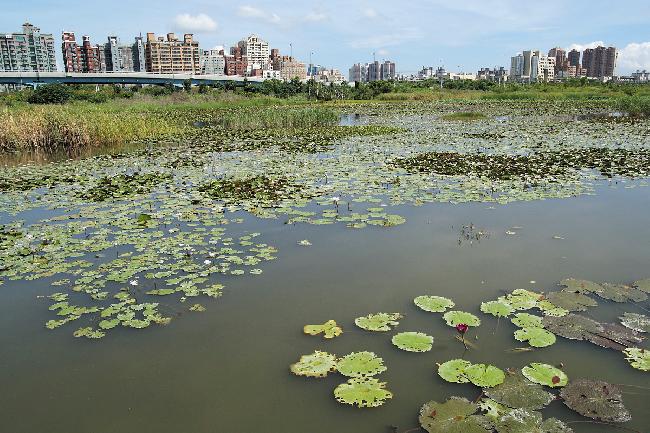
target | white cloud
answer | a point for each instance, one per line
(247, 11)
(370, 13)
(195, 23)
(316, 17)
(635, 56)
(582, 47)
(383, 52)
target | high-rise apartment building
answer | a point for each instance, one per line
(257, 52)
(236, 62)
(560, 59)
(532, 65)
(171, 55)
(574, 58)
(29, 51)
(124, 57)
(81, 58)
(600, 62)
(542, 68)
(289, 67)
(358, 73)
(373, 71)
(213, 62)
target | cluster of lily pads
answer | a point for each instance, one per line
(559, 316)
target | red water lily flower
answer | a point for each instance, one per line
(462, 328)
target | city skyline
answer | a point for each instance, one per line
(462, 37)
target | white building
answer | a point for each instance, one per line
(531, 66)
(257, 53)
(213, 62)
(542, 68)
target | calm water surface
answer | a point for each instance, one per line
(226, 370)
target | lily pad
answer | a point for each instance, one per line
(378, 322)
(456, 415)
(413, 341)
(638, 358)
(497, 308)
(518, 392)
(621, 293)
(545, 374)
(643, 285)
(454, 370)
(571, 301)
(581, 286)
(360, 364)
(317, 364)
(329, 329)
(576, 327)
(484, 375)
(636, 322)
(536, 337)
(362, 392)
(595, 399)
(434, 304)
(526, 320)
(454, 318)
(527, 421)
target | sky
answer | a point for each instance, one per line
(462, 35)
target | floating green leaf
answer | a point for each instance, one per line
(378, 322)
(454, 318)
(484, 375)
(454, 370)
(317, 364)
(643, 285)
(456, 415)
(413, 341)
(362, 392)
(518, 392)
(571, 301)
(636, 322)
(329, 329)
(638, 358)
(526, 421)
(581, 286)
(526, 320)
(545, 374)
(433, 304)
(595, 399)
(360, 364)
(536, 337)
(88, 333)
(497, 308)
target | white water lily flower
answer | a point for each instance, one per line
(207, 262)
(133, 282)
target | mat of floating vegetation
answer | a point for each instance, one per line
(261, 188)
(455, 415)
(124, 185)
(595, 399)
(576, 327)
(518, 392)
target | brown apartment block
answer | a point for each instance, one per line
(236, 62)
(171, 55)
(81, 58)
(600, 61)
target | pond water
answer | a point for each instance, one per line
(227, 369)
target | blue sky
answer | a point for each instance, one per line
(463, 35)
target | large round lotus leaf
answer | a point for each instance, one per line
(581, 286)
(485, 376)
(621, 293)
(536, 337)
(360, 364)
(527, 421)
(571, 301)
(454, 370)
(643, 285)
(362, 392)
(636, 322)
(518, 392)
(329, 329)
(456, 415)
(434, 304)
(525, 320)
(545, 374)
(413, 341)
(595, 399)
(572, 326)
(454, 318)
(378, 322)
(638, 358)
(317, 364)
(497, 308)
